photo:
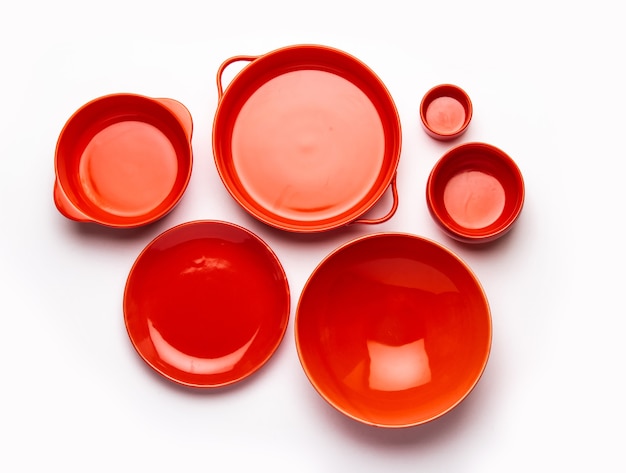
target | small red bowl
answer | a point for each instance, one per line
(123, 160)
(206, 304)
(446, 111)
(393, 330)
(475, 192)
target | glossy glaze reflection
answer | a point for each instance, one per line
(393, 330)
(206, 304)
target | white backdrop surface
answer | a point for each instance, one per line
(547, 83)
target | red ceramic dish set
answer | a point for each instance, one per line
(391, 329)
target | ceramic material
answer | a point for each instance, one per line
(446, 111)
(393, 330)
(475, 192)
(123, 160)
(206, 304)
(306, 138)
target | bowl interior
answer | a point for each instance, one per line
(475, 192)
(393, 330)
(306, 138)
(206, 304)
(123, 160)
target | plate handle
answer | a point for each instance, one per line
(220, 71)
(392, 211)
(66, 207)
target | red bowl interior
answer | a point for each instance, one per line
(123, 160)
(446, 111)
(393, 330)
(475, 192)
(306, 138)
(206, 304)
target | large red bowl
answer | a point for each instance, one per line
(393, 330)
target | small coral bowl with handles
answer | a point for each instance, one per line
(123, 160)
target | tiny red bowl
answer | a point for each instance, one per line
(475, 192)
(206, 304)
(446, 111)
(393, 330)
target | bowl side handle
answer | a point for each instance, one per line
(223, 66)
(392, 211)
(66, 207)
(181, 113)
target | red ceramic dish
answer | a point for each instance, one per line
(446, 111)
(475, 192)
(393, 330)
(206, 304)
(123, 160)
(306, 138)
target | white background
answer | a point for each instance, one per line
(547, 81)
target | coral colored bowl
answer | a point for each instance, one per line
(123, 160)
(446, 111)
(475, 192)
(306, 138)
(206, 304)
(393, 330)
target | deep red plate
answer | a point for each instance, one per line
(206, 303)
(393, 330)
